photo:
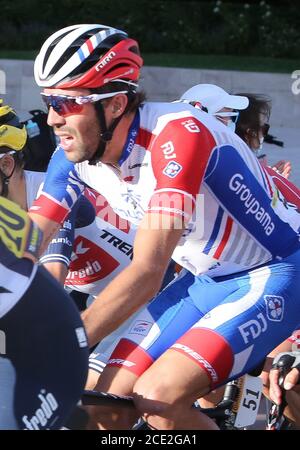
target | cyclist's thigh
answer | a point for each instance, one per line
(261, 312)
(46, 345)
(158, 326)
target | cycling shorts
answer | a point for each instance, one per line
(227, 325)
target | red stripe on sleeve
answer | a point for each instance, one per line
(180, 154)
(47, 207)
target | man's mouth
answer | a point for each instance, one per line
(65, 141)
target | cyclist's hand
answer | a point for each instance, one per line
(274, 388)
(292, 378)
(283, 167)
(287, 375)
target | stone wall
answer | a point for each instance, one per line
(164, 84)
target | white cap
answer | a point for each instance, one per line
(214, 98)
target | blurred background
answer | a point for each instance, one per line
(240, 46)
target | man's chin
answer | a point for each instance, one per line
(74, 157)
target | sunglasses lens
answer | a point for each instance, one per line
(62, 105)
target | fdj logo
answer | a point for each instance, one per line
(172, 169)
(253, 328)
(275, 307)
(191, 126)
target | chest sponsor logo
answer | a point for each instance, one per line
(251, 203)
(141, 327)
(89, 263)
(275, 307)
(118, 243)
(253, 328)
(172, 169)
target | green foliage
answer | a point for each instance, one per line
(164, 26)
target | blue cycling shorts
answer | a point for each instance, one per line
(227, 325)
(43, 358)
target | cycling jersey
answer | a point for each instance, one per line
(101, 250)
(180, 161)
(102, 245)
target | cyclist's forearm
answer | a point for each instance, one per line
(125, 294)
(47, 226)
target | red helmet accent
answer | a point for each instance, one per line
(119, 62)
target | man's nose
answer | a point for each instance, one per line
(54, 119)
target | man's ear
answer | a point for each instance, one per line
(7, 164)
(118, 105)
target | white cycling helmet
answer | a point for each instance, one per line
(214, 98)
(87, 56)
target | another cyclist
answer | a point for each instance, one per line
(41, 335)
(142, 158)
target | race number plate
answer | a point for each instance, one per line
(249, 401)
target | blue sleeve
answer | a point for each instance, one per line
(61, 246)
(62, 182)
(62, 188)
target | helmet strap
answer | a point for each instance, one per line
(106, 132)
(5, 182)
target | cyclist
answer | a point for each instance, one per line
(217, 102)
(41, 334)
(246, 114)
(103, 242)
(142, 158)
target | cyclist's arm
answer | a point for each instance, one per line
(60, 191)
(136, 284)
(170, 207)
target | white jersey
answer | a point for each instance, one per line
(180, 161)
